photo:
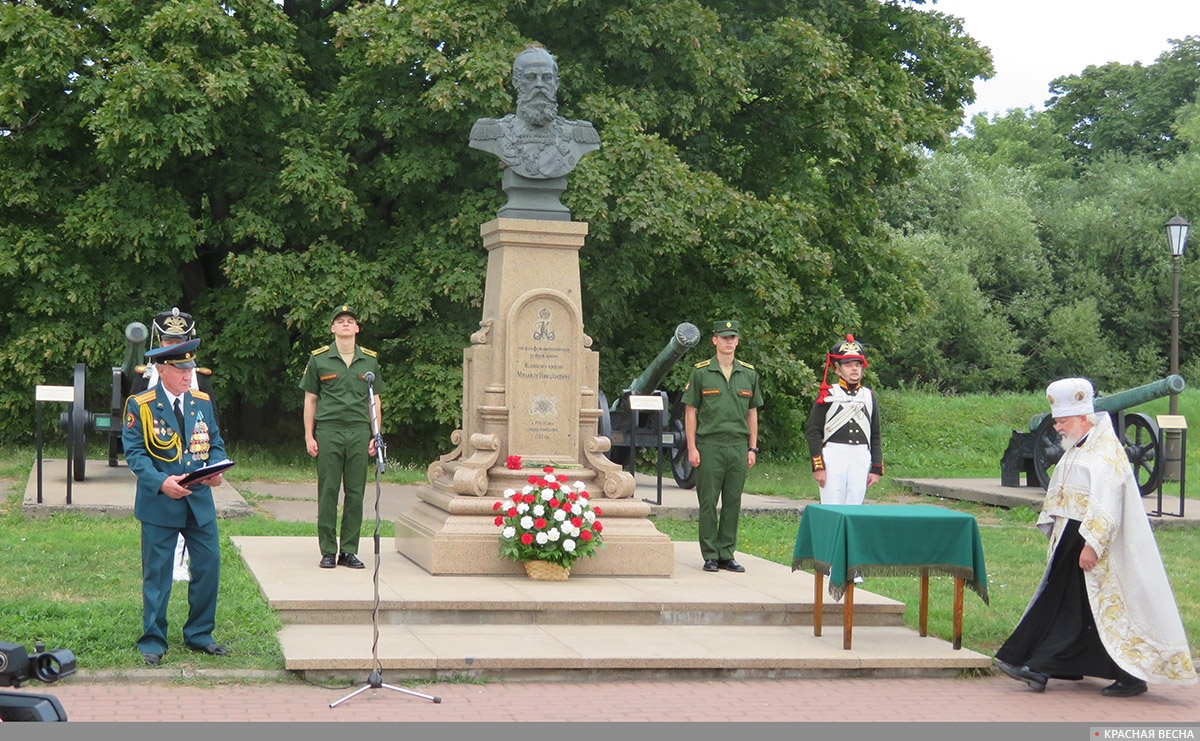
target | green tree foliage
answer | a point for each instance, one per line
(1127, 108)
(1044, 232)
(257, 162)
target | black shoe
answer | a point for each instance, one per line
(212, 649)
(710, 564)
(328, 561)
(730, 565)
(1036, 680)
(351, 560)
(151, 659)
(1125, 688)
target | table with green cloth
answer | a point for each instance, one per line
(841, 540)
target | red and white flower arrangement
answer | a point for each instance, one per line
(548, 519)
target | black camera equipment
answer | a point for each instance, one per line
(18, 666)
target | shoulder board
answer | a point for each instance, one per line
(320, 350)
(372, 353)
(140, 369)
(204, 371)
(197, 394)
(146, 396)
(703, 363)
(751, 367)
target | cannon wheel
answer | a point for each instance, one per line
(78, 429)
(1046, 450)
(681, 467)
(1140, 436)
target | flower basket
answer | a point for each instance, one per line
(546, 571)
(548, 524)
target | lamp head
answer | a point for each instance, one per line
(1177, 234)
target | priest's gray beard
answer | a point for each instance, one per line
(1069, 442)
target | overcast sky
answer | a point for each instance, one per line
(1034, 41)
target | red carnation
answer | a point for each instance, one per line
(512, 512)
(499, 521)
(585, 535)
(496, 507)
(530, 498)
(573, 497)
(548, 469)
(539, 523)
(554, 485)
(597, 511)
(533, 480)
(554, 503)
(513, 462)
(597, 526)
(526, 538)
(577, 521)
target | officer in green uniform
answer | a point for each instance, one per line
(722, 398)
(339, 433)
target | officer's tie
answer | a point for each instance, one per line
(179, 416)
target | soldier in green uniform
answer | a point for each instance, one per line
(722, 398)
(339, 433)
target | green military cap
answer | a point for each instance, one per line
(341, 311)
(725, 328)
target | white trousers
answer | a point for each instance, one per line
(846, 470)
(181, 570)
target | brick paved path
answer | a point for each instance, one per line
(988, 699)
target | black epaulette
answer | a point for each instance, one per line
(146, 396)
(703, 363)
(198, 394)
(372, 353)
(204, 371)
(320, 350)
(751, 367)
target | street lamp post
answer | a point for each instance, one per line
(1177, 234)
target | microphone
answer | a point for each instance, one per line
(369, 377)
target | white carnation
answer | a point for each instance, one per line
(508, 532)
(526, 523)
(539, 510)
(522, 508)
(541, 538)
(568, 546)
(554, 534)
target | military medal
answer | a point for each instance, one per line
(198, 445)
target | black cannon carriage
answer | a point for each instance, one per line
(643, 416)
(1034, 453)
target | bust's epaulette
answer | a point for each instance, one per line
(703, 363)
(372, 353)
(584, 132)
(202, 396)
(751, 367)
(204, 371)
(486, 128)
(320, 350)
(146, 396)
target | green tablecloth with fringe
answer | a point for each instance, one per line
(889, 540)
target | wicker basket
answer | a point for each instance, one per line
(546, 571)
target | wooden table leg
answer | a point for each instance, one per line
(818, 602)
(958, 612)
(848, 615)
(924, 610)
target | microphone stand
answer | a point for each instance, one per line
(375, 680)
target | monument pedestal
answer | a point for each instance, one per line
(530, 389)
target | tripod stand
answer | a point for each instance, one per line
(375, 680)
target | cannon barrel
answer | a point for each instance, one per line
(1129, 398)
(135, 347)
(686, 337)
